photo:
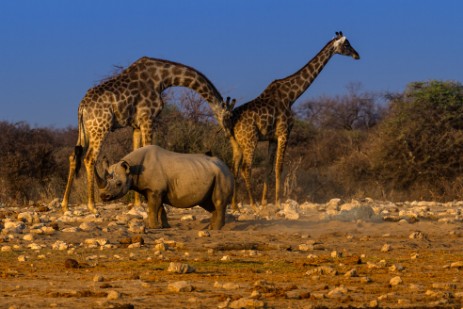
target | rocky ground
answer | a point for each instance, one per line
(350, 255)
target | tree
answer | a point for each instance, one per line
(420, 142)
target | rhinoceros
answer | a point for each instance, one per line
(166, 177)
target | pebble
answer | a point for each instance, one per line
(180, 268)
(396, 281)
(246, 303)
(113, 295)
(204, 234)
(180, 286)
(322, 270)
(386, 248)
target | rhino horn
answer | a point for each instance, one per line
(101, 181)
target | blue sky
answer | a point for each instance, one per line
(53, 51)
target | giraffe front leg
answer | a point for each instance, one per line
(136, 144)
(237, 160)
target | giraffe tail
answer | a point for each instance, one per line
(81, 142)
(78, 150)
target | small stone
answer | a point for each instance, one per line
(396, 267)
(322, 270)
(48, 230)
(180, 286)
(336, 254)
(72, 229)
(22, 258)
(337, 292)
(28, 237)
(188, 218)
(417, 235)
(136, 226)
(138, 239)
(386, 248)
(230, 286)
(35, 246)
(396, 281)
(113, 295)
(60, 245)
(180, 268)
(458, 264)
(6, 249)
(225, 258)
(351, 273)
(297, 294)
(160, 247)
(204, 234)
(87, 226)
(98, 278)
(247, 303)
(71, 263)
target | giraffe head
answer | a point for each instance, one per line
(342, 46)
(224, 115)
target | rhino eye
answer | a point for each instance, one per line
(118, 183)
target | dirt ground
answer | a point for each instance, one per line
(395, 258)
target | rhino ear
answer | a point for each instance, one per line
(126, 167)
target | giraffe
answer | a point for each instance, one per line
(133, 98)
(269, 118)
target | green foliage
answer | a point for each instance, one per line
(420, 141)
(349, 146)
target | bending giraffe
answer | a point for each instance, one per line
(133, 98)
(269, 118)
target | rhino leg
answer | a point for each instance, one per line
(218, 216)
(154, 210)
(162, 216)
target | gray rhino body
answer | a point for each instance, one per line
(176, 179)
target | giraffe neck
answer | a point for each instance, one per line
(296, 84)
(176, 74)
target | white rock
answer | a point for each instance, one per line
(22, 258)
(136, 226)
(386, 248)
(188, 218)
(6, 249)
(26, 217)
(48, 230)
(34, 246)
(230, 286)
(98, 278)
(204, 234)
(28, 237)
(138, 212)
(396, 281)
(180, 268)
(180, 286)
(337, 292)
(72, 229)
(88, 226)
(246, 303)
(113, 295)
(60, 245)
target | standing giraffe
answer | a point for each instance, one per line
(269, 117)
(133, 98)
